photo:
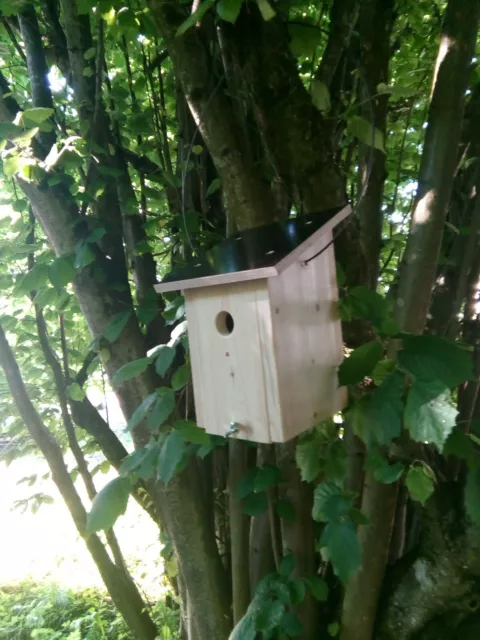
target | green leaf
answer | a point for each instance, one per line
(460, 445)
(378, 419)
(190, 432)
(214, 186)
(141, 411)
(76, 392)
(343, 549)
(360, 363)
(8, 129)
(171, 455)
(361, 129)
(266, 9)
(246, 484)
(472, 494)
(255, 504)
(389, 473)
(420, 482)
(109, 503)
(181, 377)
(333, 629)
(287, 565)
(318, 588)
(269, 617)
(196, 16)
(130, 370)
(433, 358)
(164, 406)
(90, 53)
(33, 280)
(285, 510)
(304, 38)
(36, 115)
(61, 272)
(307, 457)
(84, 255)
(164, 358)
(291, 625)
(133, 461)
(116, 325)
(330, 503)
(229, 9)
(267, 476)
(429, 415)
(320, 96)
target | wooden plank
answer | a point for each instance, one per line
(234, 375)
(217, 279)
(307, 339)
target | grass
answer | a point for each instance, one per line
(49, 611)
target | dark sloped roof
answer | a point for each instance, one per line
(254, 253)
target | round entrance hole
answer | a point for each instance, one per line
(224, 323)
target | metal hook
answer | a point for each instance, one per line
(233, 428)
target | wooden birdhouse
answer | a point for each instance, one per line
(264, 333)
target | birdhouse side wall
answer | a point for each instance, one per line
(307, 340)
(233, 367)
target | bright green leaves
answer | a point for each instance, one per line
(330, 503)
(195, 17)
(142, 410)
(360, 363)
(362, 303)
(35, 116)
(268, 613)
(383, 471)
(321, 451)
(164, 357)
(229, 10)
(130, 370)
(266, 9)
(190, 432)
(171, 456)
(108, 505)
(414, 393)
(181, 377)
(339, 540)
(472, 494)
(363, 130)
(431, 358)
(429, 414)
(377, 418)
(435, 365)
(116, 325)
(61, 272)
(420, 482)
(76, 392)
(341, 546)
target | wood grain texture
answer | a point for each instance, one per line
(234, 376)
(307, 339)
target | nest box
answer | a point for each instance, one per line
(264, 333)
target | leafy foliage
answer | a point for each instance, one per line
(48, 610)
(109, 504)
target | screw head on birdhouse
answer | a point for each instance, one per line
(264, 333)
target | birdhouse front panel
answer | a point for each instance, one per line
(233, 362)
(307, 339)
